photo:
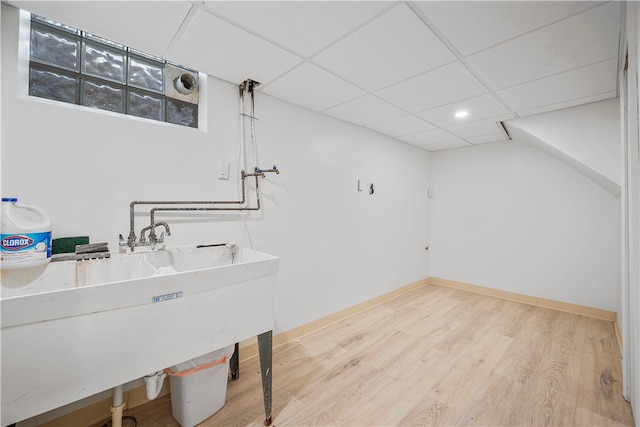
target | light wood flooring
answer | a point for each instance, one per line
(435, 356)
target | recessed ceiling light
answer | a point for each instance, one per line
(462, 113)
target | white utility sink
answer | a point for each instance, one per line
(72, 329)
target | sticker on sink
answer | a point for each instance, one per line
(167, 297)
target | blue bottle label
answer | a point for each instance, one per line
(22, 247)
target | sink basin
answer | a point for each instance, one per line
(75, 328)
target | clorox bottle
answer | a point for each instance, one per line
(26, 235)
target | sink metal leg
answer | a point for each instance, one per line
(234, 363)
(265, 348)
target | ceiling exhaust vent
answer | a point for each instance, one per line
(181, 83)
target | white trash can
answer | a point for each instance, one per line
(199, 386)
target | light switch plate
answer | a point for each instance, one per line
(223, 170)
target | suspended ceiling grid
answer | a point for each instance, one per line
(400, 68)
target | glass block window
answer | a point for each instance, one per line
(73, 66)
(102, 61)
(146, 73)
(146, 105)
(53, 84)
(103, 96)
(182, 113)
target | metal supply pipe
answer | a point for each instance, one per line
(235, 208)
(257, 173)
(248, 85)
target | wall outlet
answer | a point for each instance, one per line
(223, 170)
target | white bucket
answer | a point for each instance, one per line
(25, 233)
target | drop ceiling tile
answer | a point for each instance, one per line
(133, 23)
(428, 137)
(402, 126)
(313, 88)
(445, 85)
(394, 47)
(587, 81)
(206, 46)
(494, 137)
(474, 25)
(365, 111)
(575, 42)
(571, 103)
(447, 145)
(479, 127)
(302, 26)
(479, 107)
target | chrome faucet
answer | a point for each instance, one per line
(153, 238)
(132, 243)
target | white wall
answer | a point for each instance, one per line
(338, 247)
(510, 217)
(594, 144)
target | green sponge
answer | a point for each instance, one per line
(65, 245)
